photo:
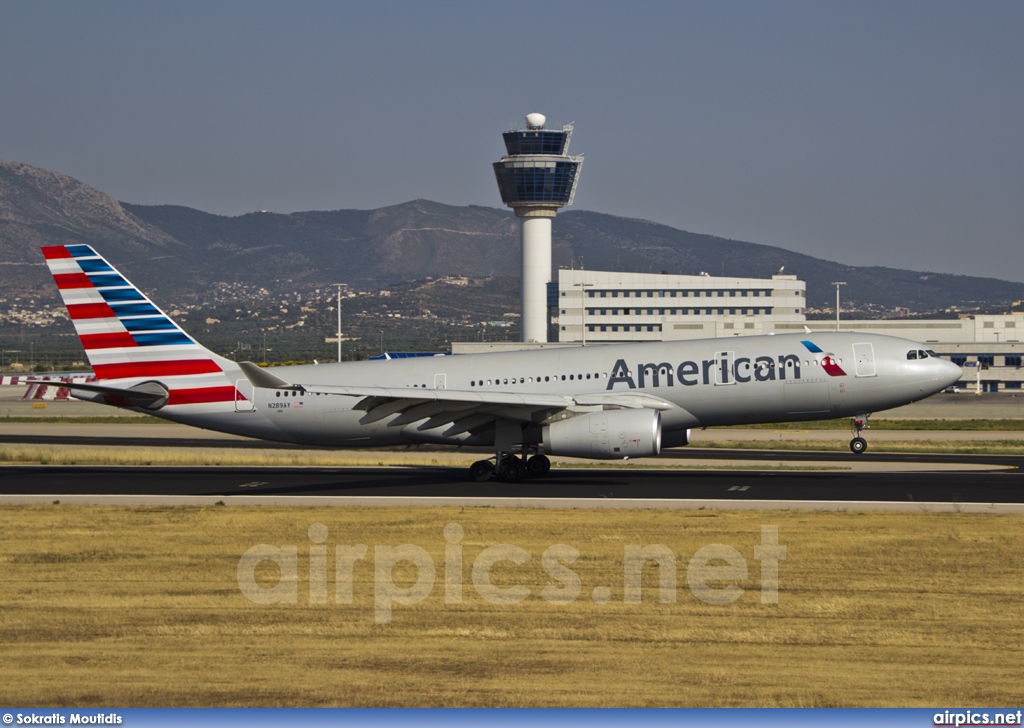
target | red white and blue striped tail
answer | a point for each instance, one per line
(127, 338)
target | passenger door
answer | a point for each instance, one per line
(864, 360)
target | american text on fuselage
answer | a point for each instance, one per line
(723, 369)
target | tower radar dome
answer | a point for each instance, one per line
(535, 120)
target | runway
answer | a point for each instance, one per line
(686, 488)
(684, 477)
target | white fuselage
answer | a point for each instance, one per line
(702, 383)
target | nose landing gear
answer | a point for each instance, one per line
(858, 444)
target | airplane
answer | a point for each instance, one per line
(611, 401)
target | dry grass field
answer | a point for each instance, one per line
(143, 607)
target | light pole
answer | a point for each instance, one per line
(339, 321)
(583, 312)
(837, 284)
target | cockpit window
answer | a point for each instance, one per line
(932, 353)
(911, 354)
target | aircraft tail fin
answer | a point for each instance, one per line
(127, 337)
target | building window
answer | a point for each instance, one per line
(1013, 360)
(1011, 385)
(987, 359)
(959, 359)
(590, 294)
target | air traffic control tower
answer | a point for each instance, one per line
(535, 179)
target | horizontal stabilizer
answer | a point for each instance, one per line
(262, 378)
(148, 395)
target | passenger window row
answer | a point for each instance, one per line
(537, 380)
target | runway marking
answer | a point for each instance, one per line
(739, 487)
(254, 484)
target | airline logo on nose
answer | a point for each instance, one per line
(828, 362)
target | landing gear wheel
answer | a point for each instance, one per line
(511, 470)
(481, 471)
(858, 444)
(538, 466)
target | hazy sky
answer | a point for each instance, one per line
(872, 133)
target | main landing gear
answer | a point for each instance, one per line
(858, 444)
(507, 467)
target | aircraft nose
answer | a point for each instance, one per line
(951, 372)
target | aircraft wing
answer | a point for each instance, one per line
(466, 411)
(462, 410)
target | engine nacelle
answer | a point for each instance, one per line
(606, 435)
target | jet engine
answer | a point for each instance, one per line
(606, 435)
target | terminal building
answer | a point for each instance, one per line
(602, 306)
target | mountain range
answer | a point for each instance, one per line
(181, 252)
